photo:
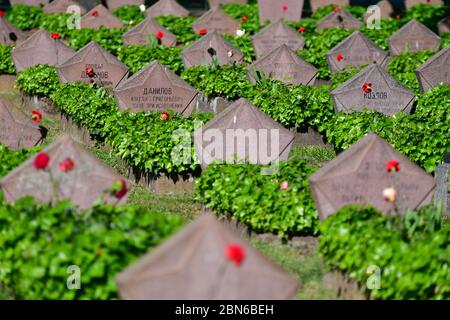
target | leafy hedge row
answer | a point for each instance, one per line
(6, 62)
(411, 252)
(243, 193)
(38, 243)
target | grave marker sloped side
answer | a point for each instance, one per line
(435, 71)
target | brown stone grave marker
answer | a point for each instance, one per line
(215, 3)
(413, 36)
(167, 8)
(98, 17)
(285, 65)
(316, 4)
(338, 18)
(359, 175)
(40, 48)
(84, 184)
(114, 4)
(356, 50)
(444, 25)
(109, 71)
(60, 6)
(9, 34)
(18, 131)
(192, 264)
(156, 88)
(435, 70)
(242, 132)
(211, 45)
(412, 3)
(140, 34)
(216, 20)
(273, 36)
(373, 88)
(273, 10)
(35, 3)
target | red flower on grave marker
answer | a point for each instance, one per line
(36, 116)
(164, 116)
(397, 17)
(301, 29)
(2, 13)
(392, 165)
(339, 57)
(55, 36)
(285, 8)
(244, 19)
(41, 161)
(95, 13)
(284, 185)
(235, 253)
(90, 72)
(160, 35)
(66, 165)
(202, 32)
(120, 193)
(367, 87)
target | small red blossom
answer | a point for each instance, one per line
(284, 185)
(36, 116)
(160, 35)
(66, 165)
(397, 17)
(339, 57)
(285, 8)
(55, 36)
(235, 253)
(41, 161)
(90, 72)
(2, 13)
(95, 13)
(336, 9)
(367, 87)
(244, 19)
(301, 29)
(164, 116)
(123, 190)
(202, 32)
(392, 165)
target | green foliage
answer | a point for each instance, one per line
(445, 40)
(110, 39)
(429, 15)
(136, 57)
(41, 80)
(129, 13)
(339, 77)
(412, 251)
(403, 67)
(247, 195)
(25, 17)
(10, 159)
(56, 22)
(250, 11)
(381, 36)
(181, 27)
(38, 243)
(6, 62)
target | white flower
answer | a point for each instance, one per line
(230, 53)
(389, 194)
(142, 7)
(240, 33)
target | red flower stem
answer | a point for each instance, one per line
(54, 183)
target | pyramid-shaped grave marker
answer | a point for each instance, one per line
(100, 17)
(413, 36)
(316, 4)
(444, 25)
(215, 3)
(9, 34)
(114, 4)
(18, 131)
(373, 88)
(338, 18)
(109, 71)
(192, 265)
(216, 20)
(412, 3)
(35, 3)
(156, 88)
(140, 34)
(356, 50)
(167, 8)
(358, 175)
(274, 10)
(210, 46)
(85, 183)
(285, 65)
(273, 36)
(435, 70)
(242, 132)
(61, 6)
(40, 48)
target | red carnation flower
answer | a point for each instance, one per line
(123, 190)
(336, 9)
(2, 13)
(301, 29)
(244, 19)
(285, 8)
(339, 57)
(367, 87)
(95, 13)
(55, 36)
(164, 116)
(392, 165)
(66, 165)
(160, 35)
(235, 253)
(36, 116)
(202, 32)
(90, 72)
(41, 161)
